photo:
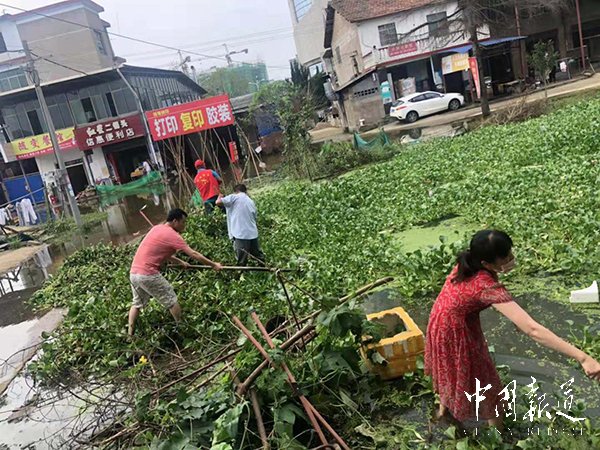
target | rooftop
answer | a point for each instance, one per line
(359, 10)
(49, 9)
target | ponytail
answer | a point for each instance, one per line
(467, 266)
(486, 245)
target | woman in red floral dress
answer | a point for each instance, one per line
(456, 353)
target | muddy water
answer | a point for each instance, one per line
(522, 357)
(20, 328)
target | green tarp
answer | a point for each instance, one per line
(196, 199)
(380, 140)
(132, 187)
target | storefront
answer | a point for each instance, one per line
(39, 150)
(116, 145)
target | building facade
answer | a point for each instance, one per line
(66, 34)
(308, 21)
(86, 88)
(401, 43)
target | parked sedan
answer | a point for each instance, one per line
(421, 104)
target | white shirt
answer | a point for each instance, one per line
(146, 166)
(241, 216)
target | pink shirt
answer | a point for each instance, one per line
(159, 245)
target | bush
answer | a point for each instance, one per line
(338, 157)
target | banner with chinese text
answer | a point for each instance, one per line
(190, 117)
(455, 63)
(109, 131)
(402, 49)
(33, 146)
(475, 74)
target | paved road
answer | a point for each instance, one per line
(563, 90)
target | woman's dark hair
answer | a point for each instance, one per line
(486, 245)
(176, 214)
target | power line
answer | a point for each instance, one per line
(142, 41)
(64, 66)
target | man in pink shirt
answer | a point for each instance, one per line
(159, 246)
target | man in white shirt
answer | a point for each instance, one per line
(241, 225)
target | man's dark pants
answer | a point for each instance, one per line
(245, 247)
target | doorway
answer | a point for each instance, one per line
(78, 177)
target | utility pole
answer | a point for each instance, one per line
(580, 29)
(151, 149)
(521, 41)
(63, 179)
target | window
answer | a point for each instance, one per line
(338, 55)
(88, 109)
(418, 98)
(301, 7)
(34, 120)
(12, 79)
(365, 92)
(100, 42)
(355, 65)
(111, 104)
(438, 24)
(432, 95)
(388, 35)
(3, 48)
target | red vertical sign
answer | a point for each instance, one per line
(475, 74)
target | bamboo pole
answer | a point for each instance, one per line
(290, 377)
(313, 411)
(241, 268)
(300, 335)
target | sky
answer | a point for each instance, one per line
(263, 27)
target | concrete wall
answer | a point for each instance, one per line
(46, 164)
(367, 107)
(406, 27)
(12, 40)
(346, 41)
(309, 32)
(68, 44)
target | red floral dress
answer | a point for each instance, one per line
(456, 352)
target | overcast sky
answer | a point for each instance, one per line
(262, 26)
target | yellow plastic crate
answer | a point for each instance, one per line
(401, 350)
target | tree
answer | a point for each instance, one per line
(294, 108)
(300, 74)
(543, 59)
(472, 16)
(314, 85)
(235, 81)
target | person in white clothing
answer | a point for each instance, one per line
(147, 167)
(241, 225)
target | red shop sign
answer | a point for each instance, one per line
(190, 117)
(402, 49)
(108, 132)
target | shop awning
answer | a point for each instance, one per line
(489, 43)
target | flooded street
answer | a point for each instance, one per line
(21, 328)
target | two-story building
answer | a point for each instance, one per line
(85, 85)
(402, 44)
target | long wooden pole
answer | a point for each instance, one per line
(313, 411)
(242, 268)
(291, 380)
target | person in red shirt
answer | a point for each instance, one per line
(456, 353)
(208, 184)
(159, 246)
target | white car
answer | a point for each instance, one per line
(421, 104)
